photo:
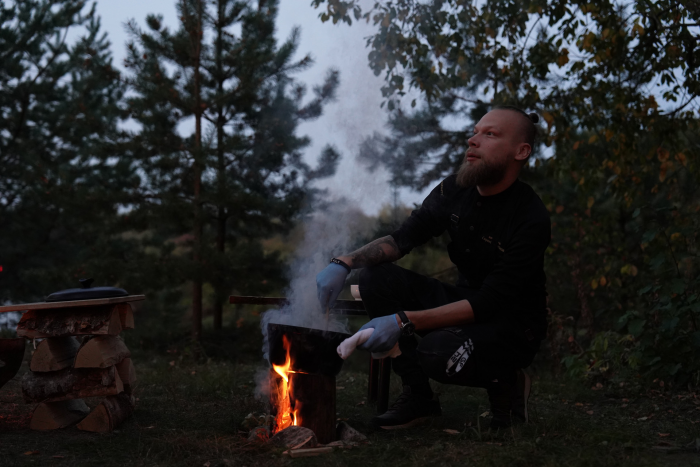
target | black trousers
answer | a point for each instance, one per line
(494, 349)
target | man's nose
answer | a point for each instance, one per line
(472, 141)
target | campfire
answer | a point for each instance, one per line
(287, 409)
(302, 379)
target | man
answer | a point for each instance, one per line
(485, 329)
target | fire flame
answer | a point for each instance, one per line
(287, 412)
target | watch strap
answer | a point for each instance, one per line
(341, 263)
(403, 317)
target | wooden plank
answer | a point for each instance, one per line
(97, 320)
(341, 307)
(54, 353)
(59, 414)
(71, 304)
(71, 384)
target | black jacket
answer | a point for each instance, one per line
(498, 245)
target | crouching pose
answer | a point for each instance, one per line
(485, 329)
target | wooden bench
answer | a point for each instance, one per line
(379, 370)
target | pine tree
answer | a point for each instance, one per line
(240, 176)
(60, 187)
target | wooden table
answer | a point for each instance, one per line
(71, 303)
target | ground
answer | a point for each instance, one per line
(192, 414)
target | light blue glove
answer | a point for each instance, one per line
(329, 283)
(385, 336)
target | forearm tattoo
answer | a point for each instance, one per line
(382, 250)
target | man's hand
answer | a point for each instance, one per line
(385, 336)
(329, 283)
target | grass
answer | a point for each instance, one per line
(192, 414)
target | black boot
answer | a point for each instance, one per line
(409, 410)
(508, 400)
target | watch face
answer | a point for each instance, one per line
(408, 329)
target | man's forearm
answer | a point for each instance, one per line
(382, 250)
(453, 314)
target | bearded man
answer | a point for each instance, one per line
(484, 330)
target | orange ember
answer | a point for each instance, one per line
(287, 413)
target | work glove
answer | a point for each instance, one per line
(329, 283)
(385, 336)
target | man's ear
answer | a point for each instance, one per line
(523, 153)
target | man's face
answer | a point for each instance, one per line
(492, 149)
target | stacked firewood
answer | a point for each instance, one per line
(80, 356)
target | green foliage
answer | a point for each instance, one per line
(245, 149)
(617, 86)
(60, 185)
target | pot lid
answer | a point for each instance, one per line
(86, 292)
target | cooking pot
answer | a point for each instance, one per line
(86, 292)
(312, 351)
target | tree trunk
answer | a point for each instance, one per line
(108, 415)
(60, 414)
(54, 353)
(89, 320)
(196, 37)
(127, 373)
(221, 171)
(71, 384)
(101, 352)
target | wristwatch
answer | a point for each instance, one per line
(407, 327)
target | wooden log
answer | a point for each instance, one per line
(101, 352)
(108, 415)
(312, 452)
(54, 353)
(313, 397)
(96, 320)
(127, 373)
(11, 355)
(126, 315)
(59, 414)
(71, 383)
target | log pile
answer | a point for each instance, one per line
(81, 356)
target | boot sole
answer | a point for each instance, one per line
(412, 423)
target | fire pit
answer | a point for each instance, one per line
(302, 379)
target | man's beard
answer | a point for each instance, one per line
(483, 174)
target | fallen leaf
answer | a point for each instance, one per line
(641, 419)
(451, 431)
(589, 412)
(578, 404)
(360, 403)
(663, 435)
(338, 388)
(485, 414)
(193, 373)
(172, 363)
(31, 453)
(207, 464)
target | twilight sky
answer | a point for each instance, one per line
(354, 115)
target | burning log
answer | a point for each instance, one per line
(101, 352)
(54, 353)
(300, 399)
(60, 414)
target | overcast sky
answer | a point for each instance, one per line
(345, 123)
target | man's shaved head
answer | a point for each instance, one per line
(527, 123)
